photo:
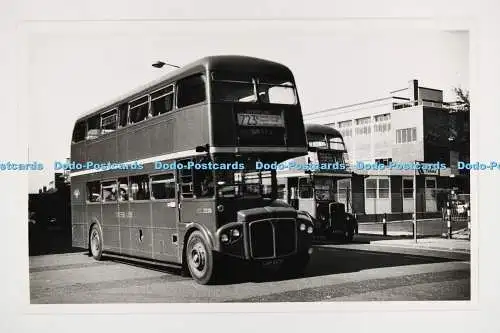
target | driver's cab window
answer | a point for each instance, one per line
(305, 188)
(317, 141)
(204, 186)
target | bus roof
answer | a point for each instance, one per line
(250, 64)
(322, 129)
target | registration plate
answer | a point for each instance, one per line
(264, 120)
(272, 262)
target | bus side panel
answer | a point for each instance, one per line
(110, 227)
(78, 221)
(162, 135)
(78, 152)
(102, 149)
(199, 211)
(138, 141)
(93, 215)
(191, 128)
(124, 227)
(164, 216)
(141, 231)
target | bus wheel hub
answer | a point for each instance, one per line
(198, 258)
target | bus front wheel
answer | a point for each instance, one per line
(200, 259)
(95, 242)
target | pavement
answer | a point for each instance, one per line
(452, 245)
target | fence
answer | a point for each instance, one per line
(380, 210)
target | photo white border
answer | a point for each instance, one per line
(444, 14)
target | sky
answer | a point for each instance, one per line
(72, 72)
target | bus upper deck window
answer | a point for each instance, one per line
(109, 122)
(233, 87)
(162, 101)
(79, 131)
(94, 127)
(191, 90)
(139, 109)
(316, 141)
(336, 143)
(277, 92)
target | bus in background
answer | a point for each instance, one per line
(184, 188)
(311, 182)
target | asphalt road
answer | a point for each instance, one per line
(336, 273)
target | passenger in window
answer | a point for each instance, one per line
(110, 195)
(207, 185)
(123, 195)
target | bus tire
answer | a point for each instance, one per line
(95, 242)
(200, 259)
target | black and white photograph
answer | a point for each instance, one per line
(212, 162)
(265, 166)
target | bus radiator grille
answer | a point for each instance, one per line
(272, 238)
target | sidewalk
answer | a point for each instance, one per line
(454, 245)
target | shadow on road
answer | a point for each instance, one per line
(324, 261)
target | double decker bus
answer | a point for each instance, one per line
(310, 183)
(170, 171)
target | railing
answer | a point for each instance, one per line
(380, 211)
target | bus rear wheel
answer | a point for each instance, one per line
(200, 259)
(95, 242)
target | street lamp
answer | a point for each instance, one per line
(160, 64)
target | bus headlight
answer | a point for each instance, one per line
(224, 238)
(235, 233)
(347, 217)
(302, 227)
(309, 230)
(220, 208)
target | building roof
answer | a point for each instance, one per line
(322, 129)
(250, 64)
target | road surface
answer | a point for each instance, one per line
(335, 273)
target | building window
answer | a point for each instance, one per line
(382, 123)
(363, 126)
(371, 188)
(343, 188)
(345, 128)
(377, 188)
(305, 188)
(407, 188)
(406, 135)
(383, 188)
(384, 161)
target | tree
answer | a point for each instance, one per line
(462, 97)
